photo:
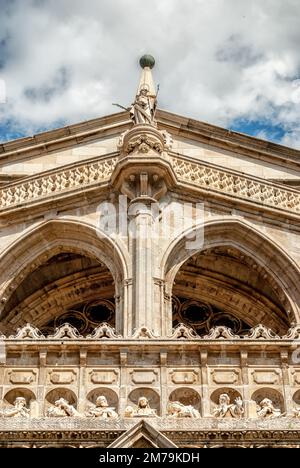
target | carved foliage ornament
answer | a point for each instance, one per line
(181, 331)
(142, 139)
(221, 333)
(28, 332)
(260, 332)
(104, 331)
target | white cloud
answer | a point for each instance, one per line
(217, 60)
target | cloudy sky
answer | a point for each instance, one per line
(233, 63)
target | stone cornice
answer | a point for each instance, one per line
(252, 190)
(209, 179)
(180, 431)
(228, 140)
(62, 138)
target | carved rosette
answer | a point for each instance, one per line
(142, 139)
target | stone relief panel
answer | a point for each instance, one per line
(148, 377)
(225, 376)
(152, 397)
(21, 377)
(62, 377)
(184, 377)
(266, 377)
(104, 377)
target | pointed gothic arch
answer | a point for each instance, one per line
(49, 240)
(266, 255)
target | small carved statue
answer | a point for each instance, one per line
(143, 109)
(225, 409)
(19, 410)
(101, 410)
(143, 410)
(178, 410)
(62, 409)
(296, 412)
(266, 409)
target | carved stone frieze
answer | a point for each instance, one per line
(238, 186)
(58, 182)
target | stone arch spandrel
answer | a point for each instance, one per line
(253, 243)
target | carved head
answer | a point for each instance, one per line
(102, 402)
(144, 90)
(20, 402)
(224, 399)
(266, 403)
(143, 402)
(175, 407)
(61, 403)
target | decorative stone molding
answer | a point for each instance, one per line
(104, 331)
(184, 377)
(293, 333)
(59, 182)
(261, 333)
(181, 331)
(144, 332)
(221, 333)
(28, 332)
(265, 377)
(146, 377)
(247, 188)
(144, 138)
(100, 377)
(22, 377)
(62, 376)
(65, 332)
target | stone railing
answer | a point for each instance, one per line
(106, 332)
(67, 180)
(244, 187)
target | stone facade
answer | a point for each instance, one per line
(149, 285)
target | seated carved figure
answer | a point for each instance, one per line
(178, 410)
(225, 409)
(143, 410)
(19, 410)
(266, 409)
(296, 412)
(62, 409)
(101, 410)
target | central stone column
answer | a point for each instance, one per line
(141, 215)
(143, 175)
